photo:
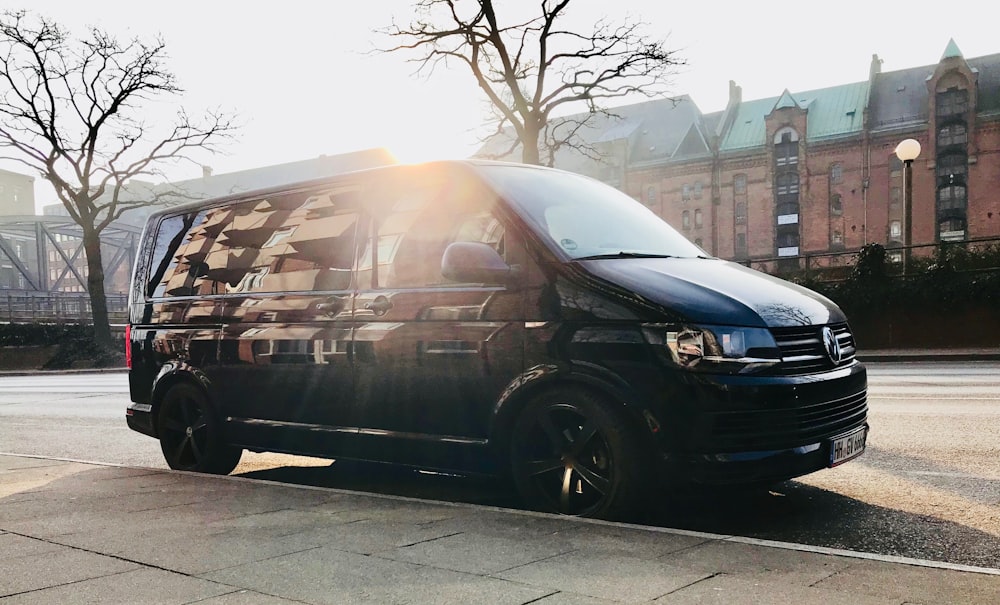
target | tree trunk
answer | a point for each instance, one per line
(95, 287)
(529, 145)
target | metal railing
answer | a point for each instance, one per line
(837, 266)
(57, 308)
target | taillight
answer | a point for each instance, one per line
(128, 346)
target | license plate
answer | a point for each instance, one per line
(848, 446)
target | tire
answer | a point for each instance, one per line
(572, 453)
(191, 434)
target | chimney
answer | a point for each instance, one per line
(735, 93)
(206, 171)
(876, 67)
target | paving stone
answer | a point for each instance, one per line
(328, 575)
(13, 545)
(476, 553)
(728, 590)
(605, 576)
(140, 587)
(917, 584)
(750, 561)
(66, 565)
(191, 551)
(246, 597)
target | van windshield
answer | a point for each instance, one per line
(585, 219)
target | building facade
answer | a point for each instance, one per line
(814, 172)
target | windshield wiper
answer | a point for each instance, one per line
(624, 254)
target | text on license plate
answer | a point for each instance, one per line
(848, 446)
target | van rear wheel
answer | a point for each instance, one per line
(191, 434)
(572, 454)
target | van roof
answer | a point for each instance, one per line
(242, 195)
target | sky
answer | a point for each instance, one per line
(304, 82)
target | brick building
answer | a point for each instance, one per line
(812, 172)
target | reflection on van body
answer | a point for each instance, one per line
(482, 317)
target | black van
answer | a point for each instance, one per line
(482, 317)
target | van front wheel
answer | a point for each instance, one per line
(191, 435)
(572, 454)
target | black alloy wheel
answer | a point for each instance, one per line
(190, 433)
(572, 454)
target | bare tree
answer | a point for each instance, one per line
(70, 109)
(533, 68)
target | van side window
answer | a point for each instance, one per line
(301, 241)
(421, 223)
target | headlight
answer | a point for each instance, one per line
(715, 349)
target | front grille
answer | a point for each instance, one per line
(802, 350)
(787, 427)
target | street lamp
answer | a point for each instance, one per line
(907, 150)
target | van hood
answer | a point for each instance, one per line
(714, 291)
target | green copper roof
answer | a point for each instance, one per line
(785, 101)
(831, 112)
(951, 51)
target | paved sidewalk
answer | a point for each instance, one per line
(72, 532)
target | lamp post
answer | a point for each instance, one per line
(907, 150)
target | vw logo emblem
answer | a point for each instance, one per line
(832, 345)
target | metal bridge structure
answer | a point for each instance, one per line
(43, 274)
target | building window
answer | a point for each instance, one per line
(697, 190)
(697, 219)
(788, 185)
(953, 134)
(686, 192)
(741, 213)
(952, 102)
(741, 244)
(697, 242)
(740, 184)
(686, 220)
(836, 206)
(837, 239)
(952, 228)
(836, 173)
(786, 147)
(952, 197)
(651, 195)
(895, 195)
(952, 168)
(895, 230)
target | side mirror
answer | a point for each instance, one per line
(475, 262)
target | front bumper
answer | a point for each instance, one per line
(734, 468)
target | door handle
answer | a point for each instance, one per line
(379, 306)
(332, 306)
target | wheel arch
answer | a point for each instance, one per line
(172, 374)
(537, 380)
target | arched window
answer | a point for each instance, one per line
(786, 147)
(740, 184)
(686, 219)
(697, 219)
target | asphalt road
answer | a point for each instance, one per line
(927, 487)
